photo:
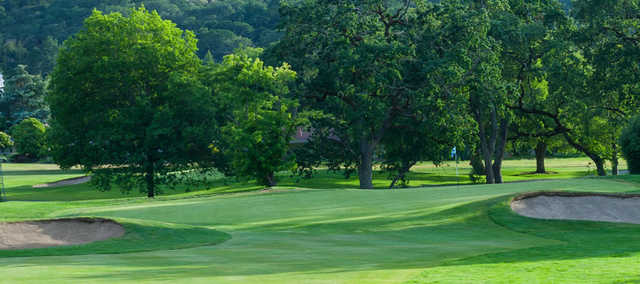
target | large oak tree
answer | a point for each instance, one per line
(126, 102)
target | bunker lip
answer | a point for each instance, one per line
(573, 194)
(583, 206)
(57, 232)
(64, 182)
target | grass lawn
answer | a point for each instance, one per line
(330, 234)
(20, 177)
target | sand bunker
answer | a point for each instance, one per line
(61, 232)
(572, 206)
(64, 182)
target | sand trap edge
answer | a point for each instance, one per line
(572, 194)
(117, 230)
(64, 182)
(610, 207)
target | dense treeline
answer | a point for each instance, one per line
(33, 30)
(375, 82)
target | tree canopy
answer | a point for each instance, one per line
(22, 97)
(126, 102)
(32, 31)
(255, 116)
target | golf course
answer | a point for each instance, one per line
(310, 234)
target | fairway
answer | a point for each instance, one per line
(418, 235)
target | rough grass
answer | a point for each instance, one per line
(421, 235)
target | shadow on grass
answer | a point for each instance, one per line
(41, 172)
(139, 237)
(410, 240)
(582, 239)
(330, 179)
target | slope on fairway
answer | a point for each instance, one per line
(348, 236)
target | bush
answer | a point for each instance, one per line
(630, 145)
(29, 138)
(5, 142)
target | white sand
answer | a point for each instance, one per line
(590, 208)
(64, 182)
(48, 233)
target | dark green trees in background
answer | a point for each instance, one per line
(630, 145)
(376, 82)
(22, 97)
(32, 31)
(127, 104)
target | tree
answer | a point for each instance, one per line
(358, 64)
(474, 70)
(254, 114)
(449, 42)
(5, 142)
(126, 102)
(23, 97)
(29, 138)
(630, 145)
(527, 31)
(32, 30)
(610, 44)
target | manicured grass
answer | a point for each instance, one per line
(340, 235)
(20, 177)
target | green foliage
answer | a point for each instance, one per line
(630, 145)
(23, 97)
(5, 142)
(33, 30)
(29, 138)
(368, 66)
(255, 116)
(125, 94)
(608, 47)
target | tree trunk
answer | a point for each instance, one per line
(499, 151)
(614, 159)
(406, 166)
(600, 167)
(487, 145)
(270, 179)
(597, 160)
(541, 149)
(365, 168)
(150, 180)
(477, 164)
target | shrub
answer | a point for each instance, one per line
(29, 138)
(630, 145)
(5, 142)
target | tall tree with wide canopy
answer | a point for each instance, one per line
(349, 55)
(126, 102)
(609, 41)
(527, 31)
(462, 58)
(369, 67)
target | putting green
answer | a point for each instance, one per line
(422, 235)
